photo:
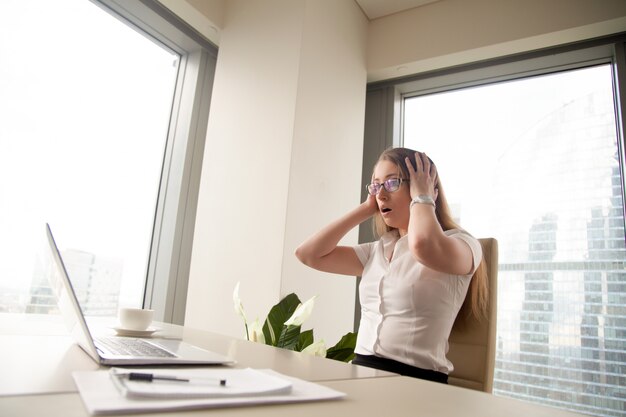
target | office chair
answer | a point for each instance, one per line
(472, 343)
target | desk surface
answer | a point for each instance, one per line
(40, 345)
(368, 397)
(36, 358)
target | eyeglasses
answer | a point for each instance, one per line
(390, 185)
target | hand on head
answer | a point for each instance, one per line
(423, 176)
(371, 204)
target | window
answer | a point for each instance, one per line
(539, 140)
(100, 120)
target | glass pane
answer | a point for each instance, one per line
(85, 102)
(534, 163)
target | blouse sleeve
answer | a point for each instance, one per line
(474, 244)
(364, 251)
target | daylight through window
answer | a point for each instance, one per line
(86, 104)
(534, 163)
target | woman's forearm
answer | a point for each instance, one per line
(424, 231)
(325, 241)
(432, 247)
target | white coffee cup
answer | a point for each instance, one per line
(135, 318)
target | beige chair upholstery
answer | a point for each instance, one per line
(473, 342)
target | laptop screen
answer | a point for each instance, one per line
(66, 298)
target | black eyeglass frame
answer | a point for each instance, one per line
(386, 185)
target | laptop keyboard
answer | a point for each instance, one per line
(125, 346)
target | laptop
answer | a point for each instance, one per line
(114, 350)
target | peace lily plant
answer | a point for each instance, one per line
(283, 328)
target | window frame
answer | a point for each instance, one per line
(385, 100)
(174, 217)
(384, 112)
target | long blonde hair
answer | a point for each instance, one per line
(477, 301)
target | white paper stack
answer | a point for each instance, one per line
(111, 392)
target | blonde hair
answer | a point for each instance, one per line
(477, 299)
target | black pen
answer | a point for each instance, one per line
(146, 377)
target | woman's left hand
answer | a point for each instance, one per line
(423, 177)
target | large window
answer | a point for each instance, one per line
(529, 153)
(98, 113)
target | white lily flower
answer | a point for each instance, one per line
(255, 332)
(302, 313)
(238, 305)
(316, 349)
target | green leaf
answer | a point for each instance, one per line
(306, 339)
(289, 337)
(278, 315)
(344, 349)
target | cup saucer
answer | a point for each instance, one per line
(135, 333)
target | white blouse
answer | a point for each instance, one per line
(407, 309)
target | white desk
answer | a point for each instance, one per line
(366, 397)
(369, 393)
(40, 346)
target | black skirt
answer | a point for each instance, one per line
(399, 368)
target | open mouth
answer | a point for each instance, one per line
(385, 210)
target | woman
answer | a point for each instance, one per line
(415, 277)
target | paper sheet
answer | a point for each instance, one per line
(101, 396)
(202, 383)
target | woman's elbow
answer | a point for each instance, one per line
(302, 255)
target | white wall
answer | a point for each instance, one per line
(286, 127)
(327, 152)
(288, 96)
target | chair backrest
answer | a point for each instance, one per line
(472, 343)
